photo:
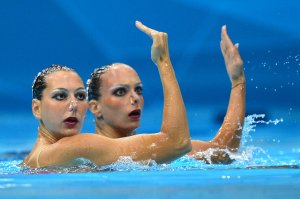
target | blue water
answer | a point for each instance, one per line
(266, 183)
(267, 166)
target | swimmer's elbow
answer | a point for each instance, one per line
(183, 146)
(178, 143)
(187, 145)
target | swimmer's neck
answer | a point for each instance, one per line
(110, 132)
(46, 135)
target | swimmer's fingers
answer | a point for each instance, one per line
(150, 32)
(159, 48)
(156, 36)
(226, 42)
(233, 60)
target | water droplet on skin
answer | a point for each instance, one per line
(152, 145)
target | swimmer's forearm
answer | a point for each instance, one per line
(230, 132)
(174, 122)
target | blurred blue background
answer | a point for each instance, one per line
(85, 34)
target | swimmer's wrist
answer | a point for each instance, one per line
(238, 84)
(166, 61)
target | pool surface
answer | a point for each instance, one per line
(267, 166)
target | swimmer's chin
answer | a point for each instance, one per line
(69, 133)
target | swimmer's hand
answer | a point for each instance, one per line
(233, 60)
(159, 49)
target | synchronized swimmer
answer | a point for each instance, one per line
(116, 88)
(115, 98)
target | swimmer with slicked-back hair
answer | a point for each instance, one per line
(60, 106)
(115, 98)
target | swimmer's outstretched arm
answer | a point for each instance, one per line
(229, 135)
(170, 143)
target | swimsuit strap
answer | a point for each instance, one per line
(38, 156)
(43, 131)
(38, 152)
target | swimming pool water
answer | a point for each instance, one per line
(267, 166)
(259, 183)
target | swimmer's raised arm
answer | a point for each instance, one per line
(229, 135)
(174, 124)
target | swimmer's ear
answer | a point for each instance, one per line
(36, 110)
(95, 108)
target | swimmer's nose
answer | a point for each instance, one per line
(73, 106)
(134, 100)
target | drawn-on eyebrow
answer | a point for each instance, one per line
(80, 89)
(139, 84)
(119, 86)
(60, 89)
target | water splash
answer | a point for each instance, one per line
(250, 125)
(10, 167)
(250, 156)
(287, 80)
(253, 156)
(79, 165)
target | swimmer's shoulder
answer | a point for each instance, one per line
(31, 160)
(82, 138)
(83, 142)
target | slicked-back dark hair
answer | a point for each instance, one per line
(94, 83)
(39, 83)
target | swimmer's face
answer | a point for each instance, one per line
(121, 102)
(63, 105)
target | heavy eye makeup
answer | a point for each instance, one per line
(139, 89)
(120, 91)
(60, 94)
(81, 94)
